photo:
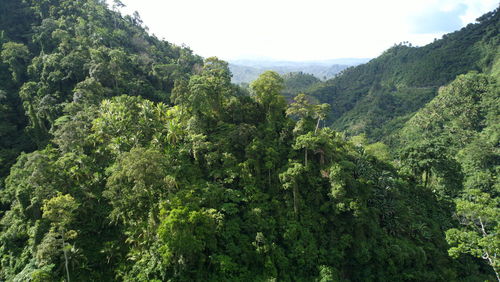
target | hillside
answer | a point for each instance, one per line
(452, 147)
(127, 158)
(77, 53)
(376, 98)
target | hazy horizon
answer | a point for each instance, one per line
(297, 31)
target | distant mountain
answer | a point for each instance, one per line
(245, 71)
(263, 63)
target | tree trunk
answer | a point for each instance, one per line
(427, 177)
(65, 255)
(295, 200)
(317, 126)
(486, 253)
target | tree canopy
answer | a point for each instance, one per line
(126, 158)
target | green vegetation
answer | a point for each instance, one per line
(452, 146)
(74, 52)
(377, 98)
(126, 158)
(298, 82)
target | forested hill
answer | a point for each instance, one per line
(378, 97)
(126, 158)
(57, 52)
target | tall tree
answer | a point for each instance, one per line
(60, 211)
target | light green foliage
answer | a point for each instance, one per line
(379, 150)
(127, 121)
(206, 93)
(327, 274)
(459, 109)
(479, 215)
(59, 210)
(306, 112)
(187, 235)
(267, 91)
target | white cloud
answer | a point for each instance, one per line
(295, 30)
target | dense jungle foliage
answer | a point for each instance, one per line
(127, 158)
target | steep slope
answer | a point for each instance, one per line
(148, 165)
(378, 97)
(452, 147)
(219, 187)
(56, 52)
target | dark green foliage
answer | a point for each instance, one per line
(174, 199)
(56, 52)
(16, 19)
(153, 167)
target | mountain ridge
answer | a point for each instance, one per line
(368, 98)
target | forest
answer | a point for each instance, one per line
(124, 157)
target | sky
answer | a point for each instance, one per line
(300, 30)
